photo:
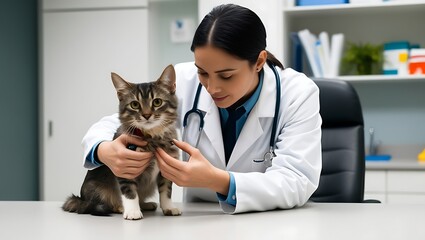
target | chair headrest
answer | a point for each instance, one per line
(339, 104)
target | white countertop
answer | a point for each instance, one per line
(395, 164)
(45, 220)
(404, 158)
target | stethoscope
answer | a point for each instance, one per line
(194, 111)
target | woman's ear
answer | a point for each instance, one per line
(261, 60)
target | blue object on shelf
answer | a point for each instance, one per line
(297, 52)
(378, 157)
(319, 2)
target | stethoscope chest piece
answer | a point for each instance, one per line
(268, 157)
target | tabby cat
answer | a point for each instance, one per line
(150, 111)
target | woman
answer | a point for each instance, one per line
(238, 101)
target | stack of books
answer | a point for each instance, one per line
(323, 53)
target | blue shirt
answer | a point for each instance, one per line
(92, 161)
(248, 105)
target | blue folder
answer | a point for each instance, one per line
(297, 52)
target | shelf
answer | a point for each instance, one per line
(383, 78)
(347, 8)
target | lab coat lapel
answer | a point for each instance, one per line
(212, 125)
(264, 108)
(251, 131)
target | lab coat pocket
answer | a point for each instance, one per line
(258, 165)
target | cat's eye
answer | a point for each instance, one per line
(134, 105)
(157, 102)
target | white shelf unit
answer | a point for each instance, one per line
(354, 7)
(385, 78)
(367, 23)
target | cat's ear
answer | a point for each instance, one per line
(120, 84)
(168, 78)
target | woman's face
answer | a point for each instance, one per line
(227, 78)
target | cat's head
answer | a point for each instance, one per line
(149, 107)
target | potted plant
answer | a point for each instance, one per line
(362, 59)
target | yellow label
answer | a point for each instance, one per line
(402, 57)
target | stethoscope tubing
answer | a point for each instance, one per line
(277, 106)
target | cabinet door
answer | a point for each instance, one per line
(375, 185)
(375, 181)
(406, 182)
(80, 49)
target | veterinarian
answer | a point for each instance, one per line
(252, 128)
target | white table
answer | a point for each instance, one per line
(45, 220)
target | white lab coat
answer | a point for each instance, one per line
(294, 174)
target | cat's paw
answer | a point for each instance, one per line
(171, 212)
(133, 214)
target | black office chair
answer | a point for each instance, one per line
(343, 154)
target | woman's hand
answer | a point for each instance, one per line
(197, 172)
(123, 162)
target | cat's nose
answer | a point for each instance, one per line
(147, 116)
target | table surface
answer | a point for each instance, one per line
(46, 220)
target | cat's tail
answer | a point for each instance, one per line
(78, 205)
(75, 204)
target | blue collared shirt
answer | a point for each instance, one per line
(92, 160)
(248, 105)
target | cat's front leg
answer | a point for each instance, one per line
(164, 189)
(130, 199)
(131, 208)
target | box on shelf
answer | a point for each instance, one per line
(319, 2)
(417, 61)
(396, 55)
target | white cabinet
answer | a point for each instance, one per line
(406, 186)
(82, 42)
(376, 185)
(395, 186)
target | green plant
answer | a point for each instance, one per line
(362, 59)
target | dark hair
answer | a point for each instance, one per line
(235, 29)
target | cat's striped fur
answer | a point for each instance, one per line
(145, 109)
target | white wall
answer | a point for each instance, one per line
(270, 12)
(161, 50)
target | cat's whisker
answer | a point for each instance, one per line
(129, 131)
